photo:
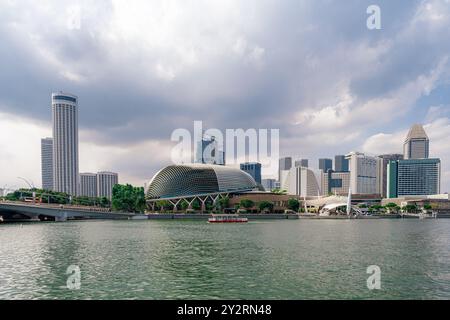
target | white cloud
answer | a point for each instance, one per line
(20, 154)
(20, 150)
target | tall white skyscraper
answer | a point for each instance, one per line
(363, 173)
(88, 184)
(105, 183)
(47, 163)
(65, 142)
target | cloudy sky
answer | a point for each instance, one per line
(144, 68)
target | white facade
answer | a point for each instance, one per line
(88, 184)
(335, 183)
(363, 173)
(65, 142)
(284, 179)
(105, 183)
(302, 181)
(47, 163)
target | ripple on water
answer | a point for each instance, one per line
(303, 259)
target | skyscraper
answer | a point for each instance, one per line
(301, 163)
(335, 182)
(383, 161)
(416, 145)
(302, 181)
(208, 151)
(363, 173)
(340, 163)
(325, 164)
(88, 184)
(413, 177)
(47, 163)
(65, 142)
(269, 184)
(253, 169)
(105, 183)
(283, 165)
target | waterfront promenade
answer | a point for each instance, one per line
(14, 211)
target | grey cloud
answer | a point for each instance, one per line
(311, 50)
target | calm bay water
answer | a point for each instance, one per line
(295, 259)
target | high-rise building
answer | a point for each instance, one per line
(383, 161)
(208, 151)
(340, 163)
(416, 145)
(325, 164)
(301, 163)
(283, 165)
(105, 183)
(302, 181)
(88, 184)
(269, 184)
(253, 169)
(335, 182)
(65, 142)
(363, 173)
(47, 163)
(413, 177)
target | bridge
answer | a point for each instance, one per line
(18, 211)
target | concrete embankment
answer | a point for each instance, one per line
(174, 216)
(199, 216)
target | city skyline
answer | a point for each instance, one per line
(168, 85)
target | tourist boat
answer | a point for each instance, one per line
(226, 218)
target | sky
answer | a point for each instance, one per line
(142, 69)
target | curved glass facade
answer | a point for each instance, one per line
(197, 179)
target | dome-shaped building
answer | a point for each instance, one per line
(191, 180)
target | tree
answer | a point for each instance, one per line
(184, 205)
(105, 203)
(293, 204)
(410, 208)
(392, 207)
(196, 204)
(376, 208)
(279, 191)
(223, 203)
(127, 198)
(45, 195)
(246, 203)
(427, 206)
(265, 206)
(164, 205)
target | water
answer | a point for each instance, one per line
(286, 259)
